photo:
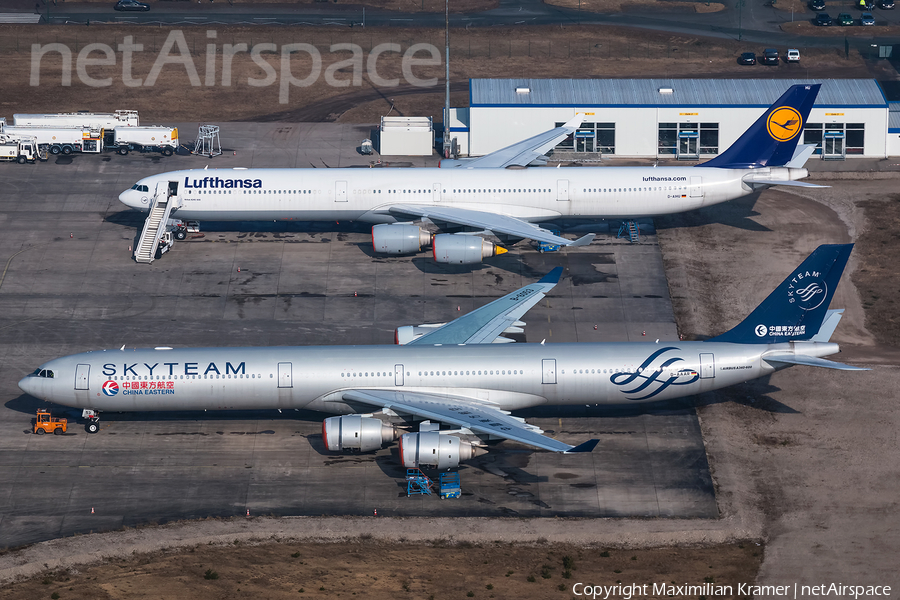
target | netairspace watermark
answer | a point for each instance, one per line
(175, 52)
(795, 591)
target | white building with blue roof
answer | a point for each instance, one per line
(668, 118)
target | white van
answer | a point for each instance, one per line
(792, 55)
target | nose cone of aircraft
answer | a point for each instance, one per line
(130, 198)
(29, 385)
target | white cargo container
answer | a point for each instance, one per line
(154, 138)
(79, 119)
(406, 136)
(58, 140)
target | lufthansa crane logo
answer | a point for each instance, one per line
(784, 123)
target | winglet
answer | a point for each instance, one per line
(588, 446)
(583, 240)
(553, 276)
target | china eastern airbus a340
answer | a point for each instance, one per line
(451, 380)
(479, 196)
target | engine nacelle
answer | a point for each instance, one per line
(391, 238)
(433, 449)
(354, 432)
(452, 248)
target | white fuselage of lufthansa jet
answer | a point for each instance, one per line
(534, 194)
(521, 376)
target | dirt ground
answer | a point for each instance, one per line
(181, 94)
(410, 6)
(377, 570)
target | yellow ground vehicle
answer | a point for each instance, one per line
(48, 424)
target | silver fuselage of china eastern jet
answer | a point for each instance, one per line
(455, 381)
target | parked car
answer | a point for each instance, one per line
(823, 19)
(866, 19)
(131, 5)
(747, 58)
(886, 4)
(817, 4)
(770, 56)
(844, 19)
(793, 55)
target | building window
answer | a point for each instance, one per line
(812, 134)
(668, 138)
(709, 138)
(856, 138)
(591, 137)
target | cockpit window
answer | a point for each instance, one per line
(43, 373)
(140, 188)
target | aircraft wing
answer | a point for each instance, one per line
(480, 419)
(498, 224)
(483, 325)
(526, 152)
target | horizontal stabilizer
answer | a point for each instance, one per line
(783, 182)
(583, 240)
(832, 318)
(809, 361)
(801, 154)
(587, 446)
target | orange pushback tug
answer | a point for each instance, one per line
(47, 424)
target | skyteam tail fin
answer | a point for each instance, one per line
(797, 308)
(771, 140)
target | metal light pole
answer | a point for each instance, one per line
(447, 78)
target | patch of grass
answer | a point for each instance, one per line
(470, 594)
(210, 574)
(489, 586)
(567, 574)
(55, 595)
(604, 554)
(709, 578)
(508, 573)
(568, 563)
(530, 579)
(295, 555)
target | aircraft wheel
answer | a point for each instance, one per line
(40, 432)
(93, 427)
(57, 431)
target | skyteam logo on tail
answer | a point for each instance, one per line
(808, 290)
(784, 123)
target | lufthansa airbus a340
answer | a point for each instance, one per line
(450, 386)
(480, 196)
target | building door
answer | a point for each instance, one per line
(562, 190)
(549, 367)
(707, 366)
(688, 145)
(696, 187)
(82, 377)
(833, 145)
(340, 191)
(285, 375)
(584, 141)
(436, 192)
(398, 374)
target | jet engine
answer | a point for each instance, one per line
(433, 449)
(408, 333)
(392, 238)
(451, 248)
(355, 432)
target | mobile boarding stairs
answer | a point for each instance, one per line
(157, 236)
